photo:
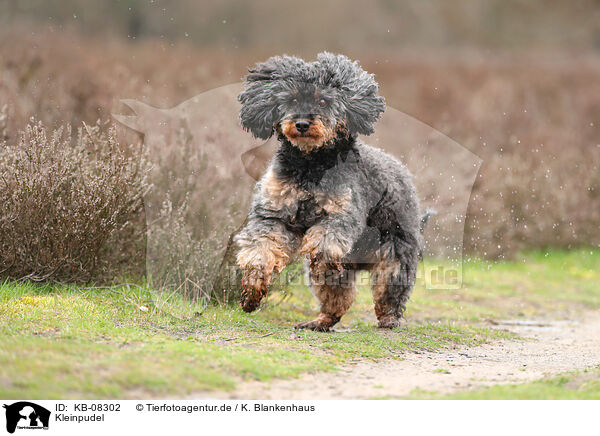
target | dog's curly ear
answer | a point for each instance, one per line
(363, 111)
(260, 110)
(359, 92)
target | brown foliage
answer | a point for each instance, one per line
(71, 207)
(534, 122)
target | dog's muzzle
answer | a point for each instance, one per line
(302, 126)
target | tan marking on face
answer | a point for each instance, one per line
(278, 193)
(318, 134)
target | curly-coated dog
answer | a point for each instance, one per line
(345, 205)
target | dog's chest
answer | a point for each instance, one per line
(301, 206)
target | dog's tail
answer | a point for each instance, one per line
(425, 219)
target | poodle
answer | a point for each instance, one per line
(346, 206)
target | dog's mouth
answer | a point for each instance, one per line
(306, 134)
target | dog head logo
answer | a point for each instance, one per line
(26, 415)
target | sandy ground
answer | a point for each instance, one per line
(548, 348)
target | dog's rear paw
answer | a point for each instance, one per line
(315, 325)
(323, 323)
(389, 323)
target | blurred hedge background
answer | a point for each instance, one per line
(516, 81)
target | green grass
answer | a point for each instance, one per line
(577, 385)
(127, 342)
(60, 342)
(556, 284)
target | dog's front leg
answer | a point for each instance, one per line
(327, 243)
(265, 248)
(331, 239)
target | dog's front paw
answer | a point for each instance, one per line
(323, 246)
(254, 288)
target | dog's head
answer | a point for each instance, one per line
(310, 103)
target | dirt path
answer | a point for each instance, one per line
(551, 347)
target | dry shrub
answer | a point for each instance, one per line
(199, 197)
(71, 206)
(180, 261)
(4, 123)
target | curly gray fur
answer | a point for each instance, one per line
(354, 92)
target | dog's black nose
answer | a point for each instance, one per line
(302, 126)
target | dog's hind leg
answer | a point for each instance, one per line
(335, 291)
(392, 283)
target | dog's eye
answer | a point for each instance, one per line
(295, 101)
(322, 102)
